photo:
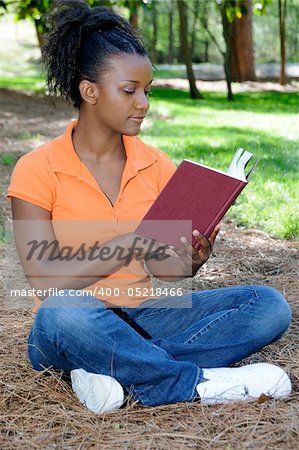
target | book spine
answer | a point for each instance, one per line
(221, 212)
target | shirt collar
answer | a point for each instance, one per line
(64, 159)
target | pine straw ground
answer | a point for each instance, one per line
(39, 410)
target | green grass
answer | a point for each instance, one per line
(172, 72)
(209, 130)
(23, 83)
(30, 79)
(7, 159)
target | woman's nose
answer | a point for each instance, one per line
(143, 102)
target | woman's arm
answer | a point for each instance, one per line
(33, 223)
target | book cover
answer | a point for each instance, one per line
(196, 196)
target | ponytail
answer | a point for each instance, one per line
(80, 44)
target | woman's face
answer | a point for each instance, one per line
(122, 94)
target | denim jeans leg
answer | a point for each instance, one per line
(222, 327)
(72, 332)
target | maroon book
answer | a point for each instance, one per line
(196, 196)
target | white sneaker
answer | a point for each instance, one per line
(99, 393)
(227, 385)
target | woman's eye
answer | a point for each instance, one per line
(130, 92)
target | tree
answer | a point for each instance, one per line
(226, 54)
(155, 32)
(193, 30)
(170, 34)
(3, 7)
(133, 7)
(37, 11)
(206, 42)
(227, 31)
(282, 11)
(241, 45)
(186, 50)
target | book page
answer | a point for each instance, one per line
(239, 163)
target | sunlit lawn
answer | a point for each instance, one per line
(206, 131)
(209, 131)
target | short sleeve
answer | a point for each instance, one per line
(31, 181)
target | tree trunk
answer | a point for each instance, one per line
(40, 36)
(205, 54)
(226, 29)
(155, 34)
(134, 18)
(195, 17)
(282, 9)
(133, 11)
(170, 36)
(186, 51)
(242, 56)
(206, 43)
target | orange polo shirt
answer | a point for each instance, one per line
(54, 178)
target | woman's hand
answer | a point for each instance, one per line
(143, 248)
(195, 258)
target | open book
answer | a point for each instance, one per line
(195, 197)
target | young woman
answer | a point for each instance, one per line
(89, 186)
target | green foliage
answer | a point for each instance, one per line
(260, 7)
(3, 7)
(7, 159)
(235, 9)
(265, 24)
(35, 10)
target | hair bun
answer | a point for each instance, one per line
(66, 13)
(102, 19)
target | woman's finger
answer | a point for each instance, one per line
(213, 236)
(187, 245)
(186, 253)
(204, 243)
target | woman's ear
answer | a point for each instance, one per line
(88, 91)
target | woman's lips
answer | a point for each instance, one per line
(137, 119)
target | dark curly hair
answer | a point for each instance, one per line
(80, 43)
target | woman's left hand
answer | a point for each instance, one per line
(195, 258)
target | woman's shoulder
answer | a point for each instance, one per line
(32, 179)
(33, 170)
(162, 167)
(37, 155)
(45, 155)
(157, 154)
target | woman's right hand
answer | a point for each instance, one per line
(144, 248)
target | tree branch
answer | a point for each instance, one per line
(206, 27)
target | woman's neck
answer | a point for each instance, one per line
(95, 143)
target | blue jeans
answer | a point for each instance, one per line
(157, 351)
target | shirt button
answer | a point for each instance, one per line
(120, 200)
